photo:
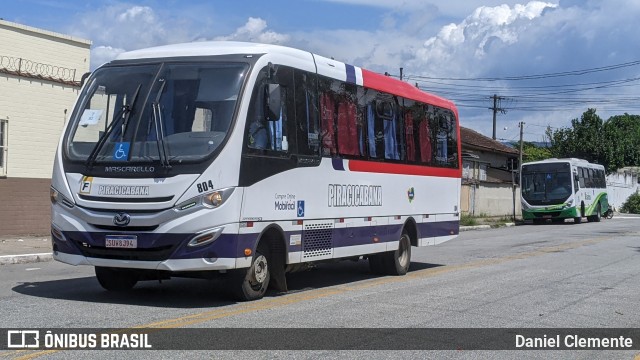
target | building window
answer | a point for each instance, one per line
(4, 149)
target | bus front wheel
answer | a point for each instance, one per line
(113, 279)
(252, 283)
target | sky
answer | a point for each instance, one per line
(547, 62)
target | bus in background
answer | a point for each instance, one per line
(247, 161)
(559, 189)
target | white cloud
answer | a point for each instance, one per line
(255, 30)
(470, 40)
(449, 8)
(103, 54)
(123, 27)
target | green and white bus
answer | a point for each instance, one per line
(559, 189)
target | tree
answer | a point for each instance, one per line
(534, 153)
(622, 134)
(613, 143)
(584, 140)
(632, 205)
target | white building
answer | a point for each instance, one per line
(40, 73)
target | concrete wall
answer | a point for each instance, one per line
(36, 101)
(45, 47)
(490, 199)
(620, 186)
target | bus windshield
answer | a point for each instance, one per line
(546, 184)
(171, 113)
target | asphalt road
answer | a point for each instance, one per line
(532, 276)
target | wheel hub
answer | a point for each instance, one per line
(260, 269)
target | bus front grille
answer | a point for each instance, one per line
(542, 215)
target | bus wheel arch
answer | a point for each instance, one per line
(411, 229)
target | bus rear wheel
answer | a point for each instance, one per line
(393, 262)
(252, 284)
(597, 216)
(114, 279)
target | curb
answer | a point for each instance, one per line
(25, 259)
(485, 227)
(475, 227)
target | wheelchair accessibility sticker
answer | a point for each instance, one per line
(121, 151)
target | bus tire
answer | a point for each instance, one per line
(577, 220)
(252, 283)
(597, 216)
(393, 262)
(114, 279)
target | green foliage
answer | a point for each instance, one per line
(584, 140)
(632, 205)
(534, 153)
(612, 143)
(623, 136)
(468, 220)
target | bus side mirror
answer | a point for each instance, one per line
(273, 102)
(576, 180)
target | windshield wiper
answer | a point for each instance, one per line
(123, 114)
(158, 122)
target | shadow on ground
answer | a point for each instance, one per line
(196, 293)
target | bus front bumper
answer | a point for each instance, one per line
(541, 214)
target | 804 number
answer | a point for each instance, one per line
(205, 186)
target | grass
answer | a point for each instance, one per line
(468, 220)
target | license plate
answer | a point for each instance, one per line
(121, 241)
(547, 216)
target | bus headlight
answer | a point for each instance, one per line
(210, 200)
(568, 204)
(57, 198)
(214, 199)
(524, 205)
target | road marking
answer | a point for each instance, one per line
(272, 303)
(32, 269)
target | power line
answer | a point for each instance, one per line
(533, 77)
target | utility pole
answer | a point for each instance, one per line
(513, 171)
(496, 107)
(521, 144)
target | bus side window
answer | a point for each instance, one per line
(581, 173)
(306, 103)
(270, 132)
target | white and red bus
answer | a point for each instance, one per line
(248, 161)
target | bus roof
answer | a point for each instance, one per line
(325, 66)
(572, 161)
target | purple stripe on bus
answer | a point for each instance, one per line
(338, 164)
(233, 246)
(351, 73)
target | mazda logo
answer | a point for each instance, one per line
(122, 219)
